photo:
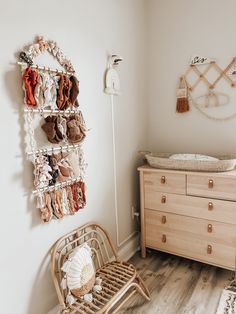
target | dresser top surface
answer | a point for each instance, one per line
(147, 168)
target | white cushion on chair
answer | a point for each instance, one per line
(80, 272)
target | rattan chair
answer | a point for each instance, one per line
(120, 280)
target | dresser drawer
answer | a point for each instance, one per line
(201, 229)
(212, 186)
(165, 182)
(185, 243)
(198, 207)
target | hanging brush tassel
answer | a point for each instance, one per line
(182, 103)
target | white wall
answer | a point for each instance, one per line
(177, 30)
(87, 31)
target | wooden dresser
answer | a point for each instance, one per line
(190, 214)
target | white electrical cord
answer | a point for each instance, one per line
(119, 244)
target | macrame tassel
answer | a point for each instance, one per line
(88, 297)
(98, 281)
(182, 103)
(70, 299)
(97, 288)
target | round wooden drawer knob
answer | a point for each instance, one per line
(210, 206)
(163, 219)
(163, 180)
(210, 184)
(209, 228)
(163, 238)
(163, 199)
(209, 249)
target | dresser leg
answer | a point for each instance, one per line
(143, 252)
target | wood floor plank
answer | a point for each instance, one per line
(202, 292)
(224, 277)
(155, 276)
(177, 285)
(174, 289)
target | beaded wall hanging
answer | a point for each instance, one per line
(50, 98)
(200, 69)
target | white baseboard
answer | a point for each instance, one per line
(129, 248)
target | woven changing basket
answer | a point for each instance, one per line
(162, 161)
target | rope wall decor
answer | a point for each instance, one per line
(213, 98)
(50, 96)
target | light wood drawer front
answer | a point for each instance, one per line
(187, 244)
(208, 230)
(212, 186)
(165, 182)
(198, 207)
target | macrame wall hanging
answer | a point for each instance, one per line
(200, 68)
(51, 112)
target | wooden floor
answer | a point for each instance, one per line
(177, 285)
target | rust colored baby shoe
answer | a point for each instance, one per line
(30, 81)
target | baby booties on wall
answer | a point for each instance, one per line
(59, 170)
